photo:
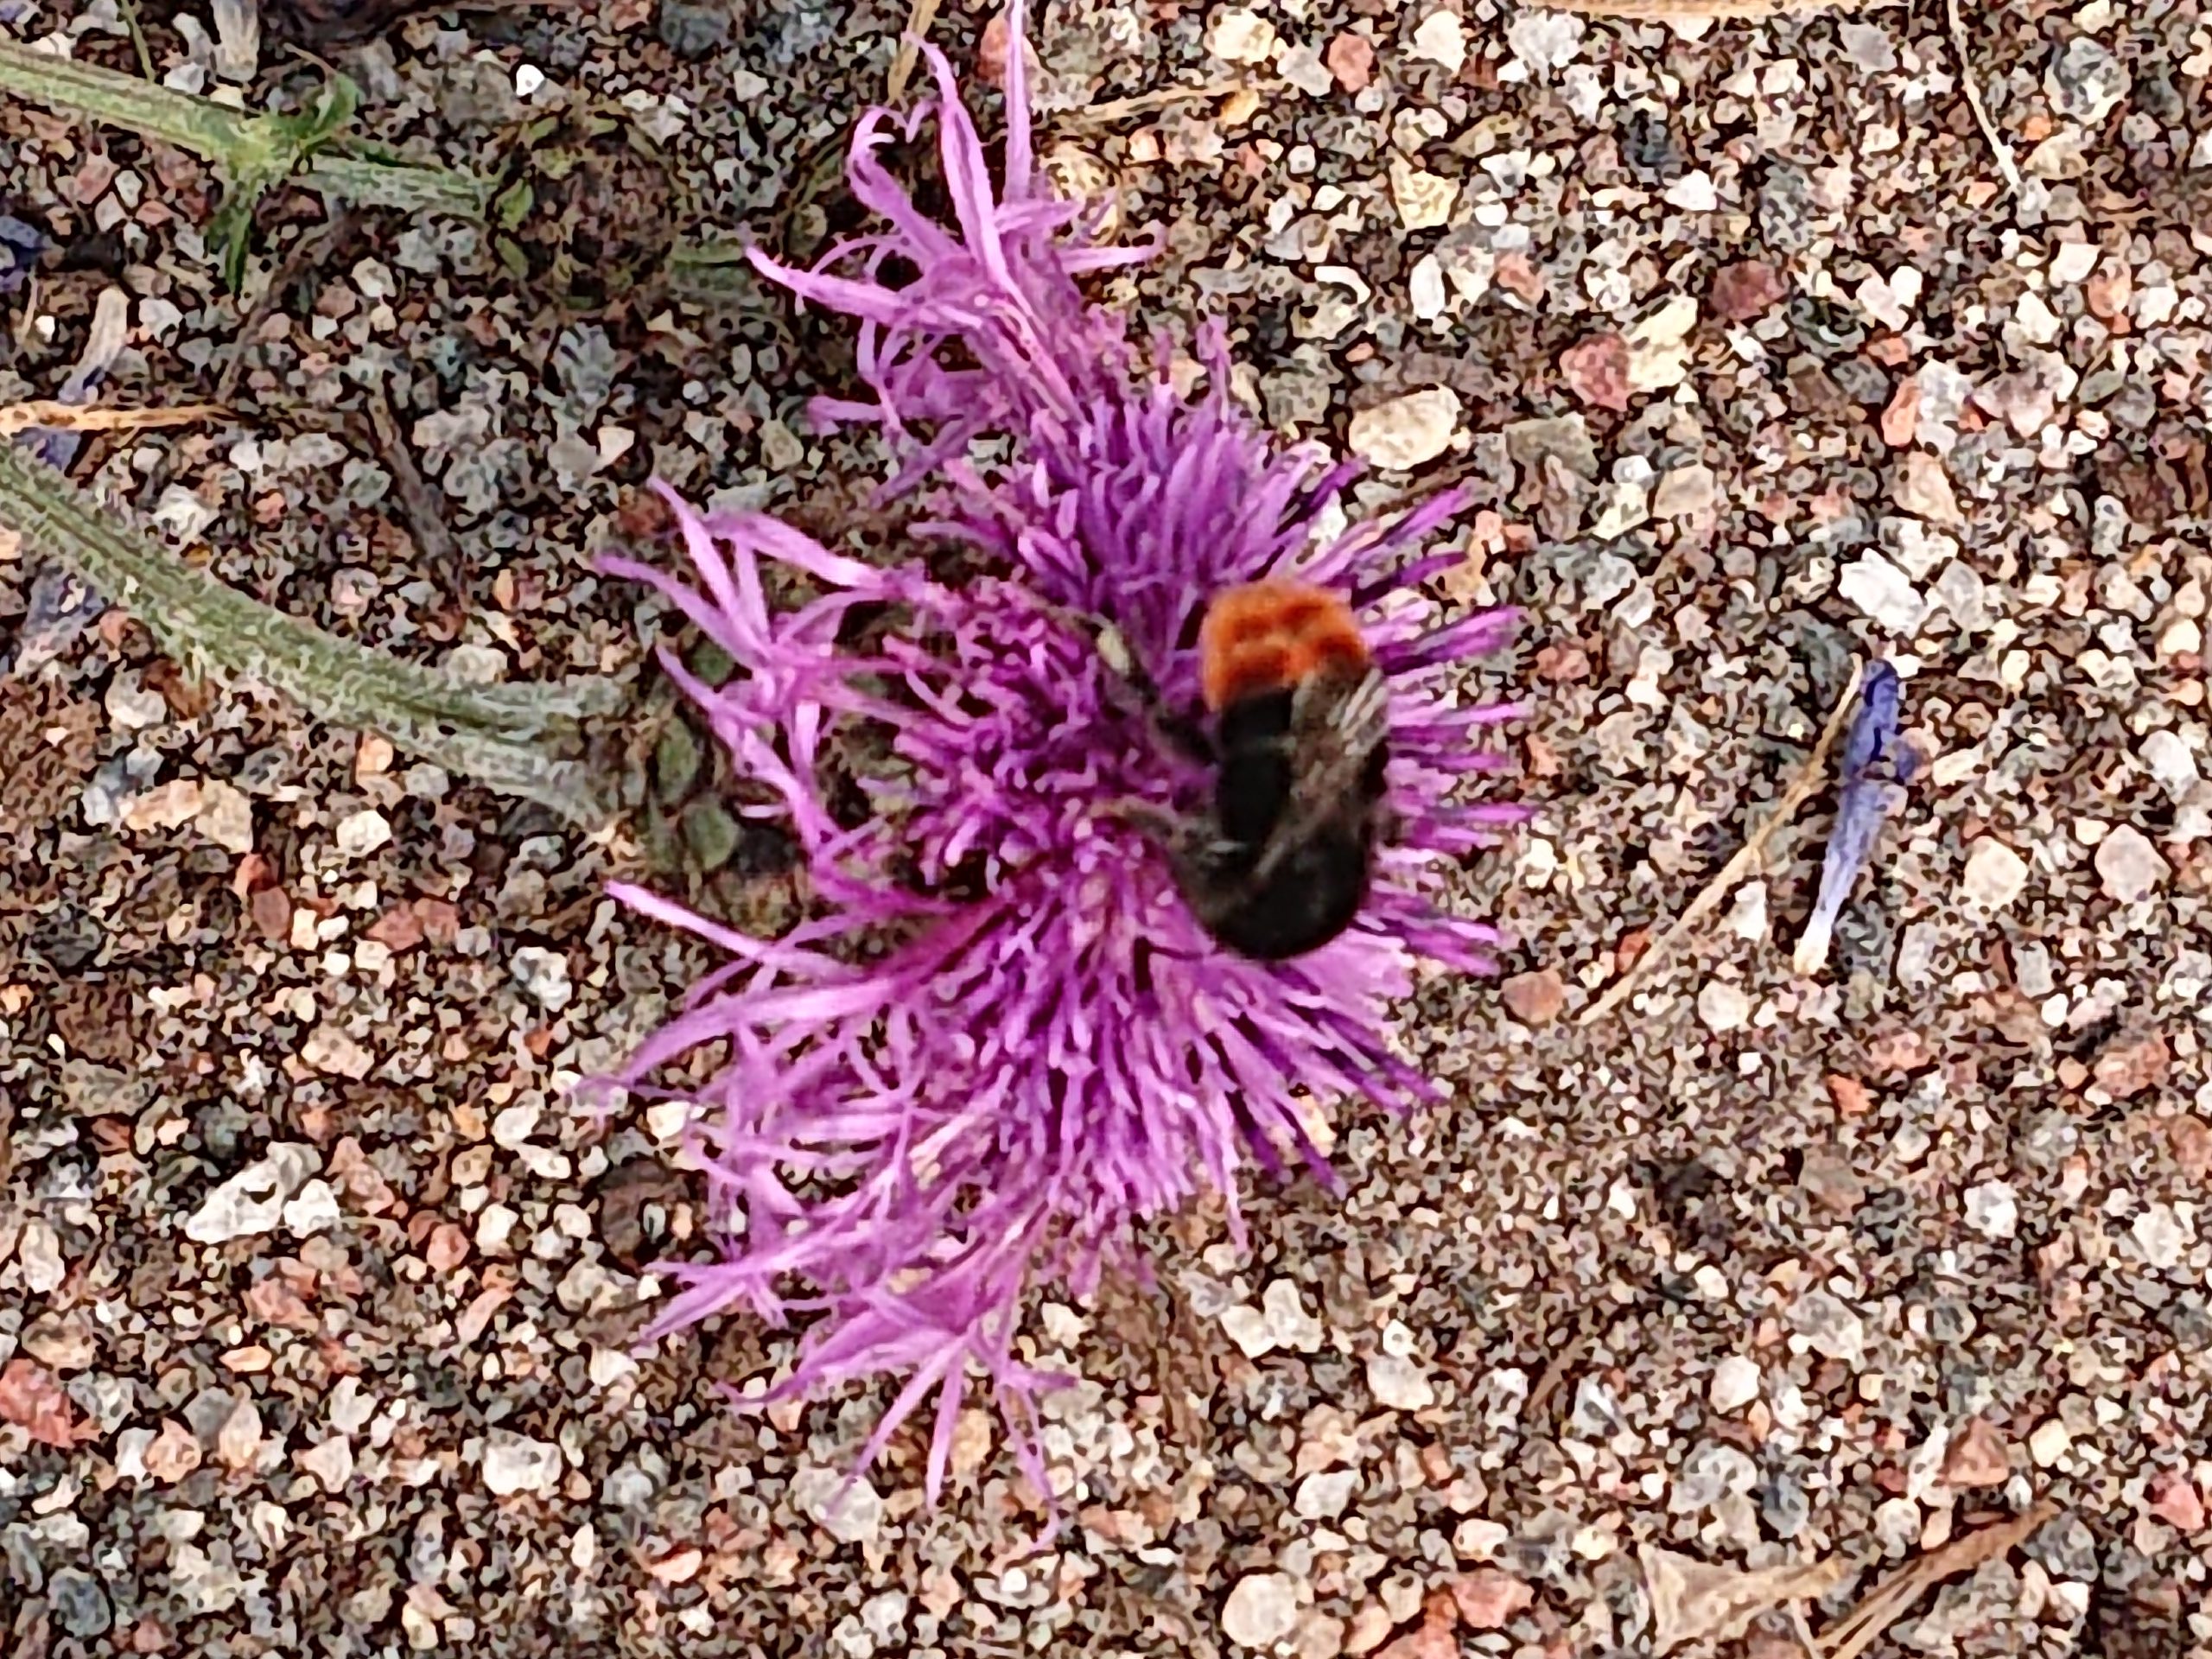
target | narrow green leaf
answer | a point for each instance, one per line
(512, 738)
(513, 205)
(245, 148)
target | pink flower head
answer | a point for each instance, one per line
(1003, 1041)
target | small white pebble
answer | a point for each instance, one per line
(1693, 192)
(2159, 1236)
(312, 1209)
(1288, 1323)
(851, 1512)
(1261, 1611)
(252, 1201)
(1441, 38)
(494, 1228)
(2073, 262)
(1747, 915)
(1241, 35)
(1735, 1383)
(1995, 874)
(1723, 1006)
(1885, 593)
(514, 1463)
(1323, 1496)
(1477, 1538)
(2048, 1443)
(1246, 1326)
(331, 1463)
(1992, 1210)
(1399, 1383)
(545, 975)
(361, 833)
(132, 707)
(2166, 754)
(2130, 865)
(1406, 431)
(516, 1124)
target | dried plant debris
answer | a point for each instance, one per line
(1895, 1596)
(2000, 151)
(1747, 860)
(53, 415)
(1695, 1601)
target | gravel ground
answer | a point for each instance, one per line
(316, 1295)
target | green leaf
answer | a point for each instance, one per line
(229, 231)
(518, 739)
(248, 149)
(511, 255)
(514, 204)
(316, 126)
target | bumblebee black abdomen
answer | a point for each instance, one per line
(1252, 788)
(1313, 896)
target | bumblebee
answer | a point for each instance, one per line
(1299, 741)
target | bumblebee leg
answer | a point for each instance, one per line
(1177, 732)
(1157, 823)
(1171, 729)
(1183, 735)
(1196, 844)
(1198, 858)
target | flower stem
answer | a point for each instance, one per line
(250, 150)
(209, 130)
(360, 172)
(516, 739)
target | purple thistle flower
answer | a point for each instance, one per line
(1003, 1040)
(1869, 770)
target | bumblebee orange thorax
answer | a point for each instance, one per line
(1268, 636)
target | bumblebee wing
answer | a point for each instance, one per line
(1339, 733)
(1360, 720)
(1343, 734)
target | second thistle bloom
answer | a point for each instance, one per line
(1003, 1040)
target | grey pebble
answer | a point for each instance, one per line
(79, 1603)
(692, 31)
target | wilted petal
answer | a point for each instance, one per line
(1869, 771)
